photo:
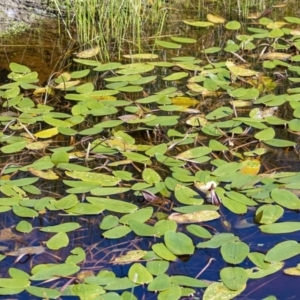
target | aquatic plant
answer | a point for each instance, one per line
(168, 132)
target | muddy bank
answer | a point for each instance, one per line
(29, 35)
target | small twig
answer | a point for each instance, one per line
(207, 265)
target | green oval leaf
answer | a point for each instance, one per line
(234, 278)
(179, 243)
(139, 274)
(278, 228)
(65, 227)
(283, 251)
(286, 199)
(234, 252)
(233, 25)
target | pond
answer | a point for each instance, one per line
(169, 173)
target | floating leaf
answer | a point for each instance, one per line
(117, 284)
(218, 291)
(129, 257)
(24, 212)
(194, 217)
(14, 283)
(109, 222)
(212, 50)
(284, 227)
(176, 76)
(199, 231)
(60, 240)
(101, 179)
(66, 202)
(178, 243)
(250, 166)
(183, 40)
(292, 20)
(215, 18)
(49, 174)
(280, 143)
(160, 283)
(88, 52)
(141, 56)
(113, 205)
(194, 153)
(255, 273)
(174, 292)
(268, 214)
(292, 271)
(234, 252)
(18, 68)
(187, 196)
(218, 240)
(116, 232)
(188, 281)
(24, 227)
(13, 148)
(141, 215)
(65, 227)
(139, 274)
(233, 25)
(151, 176)
(285, 198)
(43, 292)
(157, 267)
(198, 23)
(168, 45)
(54, 271)
(283, 251)
(239, 71)
(161, 250)
(234, 278)
(265, 135)
(142, 229)
(45, 134)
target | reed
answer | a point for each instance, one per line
(119, 26)
(111, 24)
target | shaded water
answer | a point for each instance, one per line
(45, 51)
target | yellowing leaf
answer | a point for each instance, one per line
(102, 179)
(67, 84)
(276, 55)
(275, 25)
(295, 31)
(199, 23)
(292, 271)
(37, 145)
(196, 88)
(215, 19)
(88, 53)
(250, 166)
(199, 216)
(186, 101)
(49, 174)
(121, 145)
(43, 90)
(141, 56)
(129, 257)
(239, 71)
(45, 134)
(217, 290)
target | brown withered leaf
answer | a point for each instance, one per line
(27, 250)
